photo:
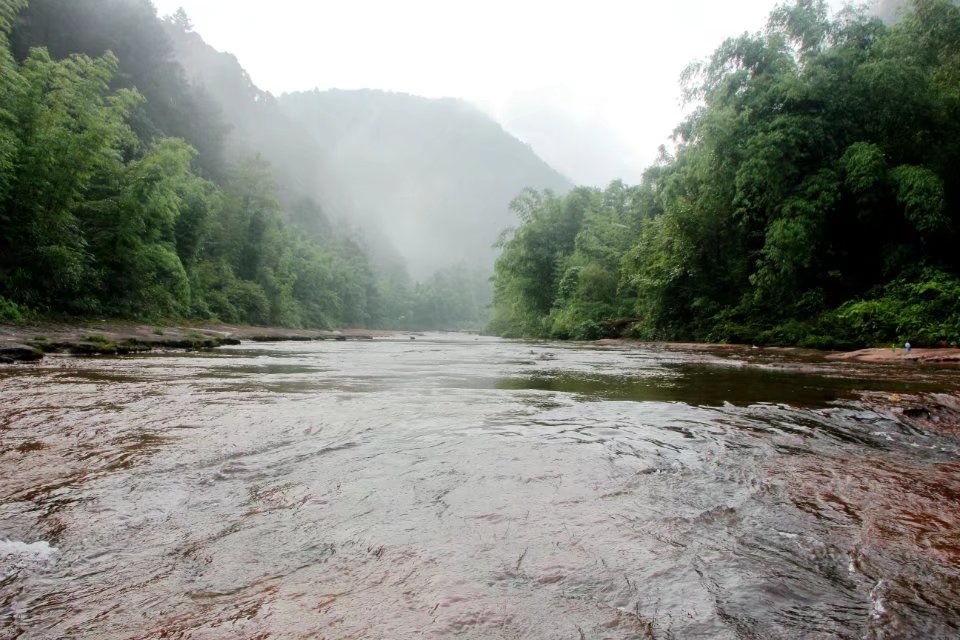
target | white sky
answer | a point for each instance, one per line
(592, 86)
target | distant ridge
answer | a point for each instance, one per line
(435, 175)
(431, 178)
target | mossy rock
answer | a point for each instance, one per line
(133, 346)
(93, 349)
(11, 353)
(283, 338)
(194, 344)
(43, 346)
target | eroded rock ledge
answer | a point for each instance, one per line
(32, 343)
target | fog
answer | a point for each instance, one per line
(592, 87)
(418, 123)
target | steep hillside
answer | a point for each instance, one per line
(130, 30)
(257, 125)
(435, 176)
(119, 196)
(429, 181)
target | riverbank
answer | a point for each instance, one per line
(30, 343)
(900, 356)
(941, 356)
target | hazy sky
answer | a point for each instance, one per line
(592, 86)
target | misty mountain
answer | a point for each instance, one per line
(256, 122)
(428, 181)
(435, 176)
(296, 236)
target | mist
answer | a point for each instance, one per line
(550, 73)
(435, 177)
(425, 148)
(397, 171)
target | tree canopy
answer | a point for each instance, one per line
(811, 199)
(108, 208)
(133, 188)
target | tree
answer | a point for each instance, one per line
(70, 133)
(816, 172)
(180, 20)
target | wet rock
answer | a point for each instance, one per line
(129, 347)
(931, 412)
(191, 344)
(899, 356)
(44, 346)
(92, 349)
(10, 353)
(284, 338)
(126, 339)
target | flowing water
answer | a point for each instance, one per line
(474, 488)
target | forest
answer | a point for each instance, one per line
(811, 199)
(120, 195)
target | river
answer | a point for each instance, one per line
(469, 487)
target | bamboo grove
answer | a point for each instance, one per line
(812, 199)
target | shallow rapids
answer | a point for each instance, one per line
(475, 488)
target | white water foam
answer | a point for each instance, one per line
(879, 603)
(38, 551)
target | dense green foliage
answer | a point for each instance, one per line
(812, 199)
(108, 208)
(130, 30)
(100, 220)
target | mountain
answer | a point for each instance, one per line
(429, 181)
(434, 176)
(256, 122)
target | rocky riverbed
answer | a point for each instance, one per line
(32, 343)
(462, 486)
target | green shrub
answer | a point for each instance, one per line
(580, 321)
(587, 330)
(11, 312)
(925, 311)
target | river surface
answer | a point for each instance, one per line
(473, 488)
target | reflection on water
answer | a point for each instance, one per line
(713, 385)
(474, 488)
